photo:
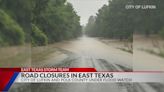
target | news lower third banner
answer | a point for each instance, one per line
(8, 76)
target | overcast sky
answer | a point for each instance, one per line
(86, 8)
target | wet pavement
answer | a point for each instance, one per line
(89, 52)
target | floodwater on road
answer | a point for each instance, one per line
(89, 52)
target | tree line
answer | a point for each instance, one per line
(39, 22)
(116, 21)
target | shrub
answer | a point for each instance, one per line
(161, 33)
(11, 33)
(38, 37)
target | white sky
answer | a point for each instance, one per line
(86, 8)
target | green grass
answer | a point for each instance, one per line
(160, 54)
(126, 50)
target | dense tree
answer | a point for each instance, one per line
(20, 11)
(38, 37)
(161, 33)
(10, 32)
(59, 21)
(39, 21)
(113, 21)
(90, 26)
(149, 21)
(116, 21)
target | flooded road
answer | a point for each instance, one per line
(89, 52)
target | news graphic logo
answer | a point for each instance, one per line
(142, 7)
(8, 76)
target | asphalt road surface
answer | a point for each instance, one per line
(89, 52)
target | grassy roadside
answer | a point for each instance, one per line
(40, 53)
(126, 50)
(15, 56)
(152, 45)
(160, 54)
(121, 45)
(24, 56)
